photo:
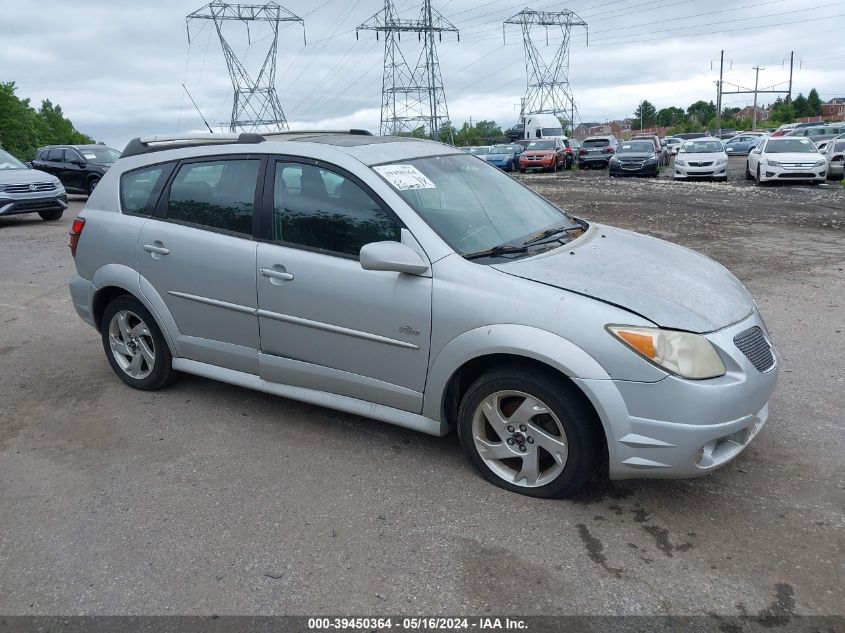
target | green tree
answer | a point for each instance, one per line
(781, 112)
(667, 117)
(701, 112)
(800, 106)
(814, 103)
(645, 114)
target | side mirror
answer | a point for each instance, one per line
(78, 162)
(392, 257)
(682, 151)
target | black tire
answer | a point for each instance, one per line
(579, 422)
(748, 174)
(521, 170)
(50, 216)
(757, 180)
(92, 184)
(162, 373)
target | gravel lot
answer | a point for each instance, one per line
(206, 498)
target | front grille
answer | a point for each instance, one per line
(41, 186)
(700, 163)
(756, 348)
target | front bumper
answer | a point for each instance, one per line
(771, 173)
(639, 169)
(590, 161)
(706, 171)
(17, 204)
(544, 163)
(677, 428)
(502, 164)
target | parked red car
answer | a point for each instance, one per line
(545, 154)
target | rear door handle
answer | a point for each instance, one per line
(275, 274)
(158, 250)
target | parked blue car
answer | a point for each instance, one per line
(741, 144)
(505, 156)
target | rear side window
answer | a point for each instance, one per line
(55, 155)
(140, 189)
(216, 194)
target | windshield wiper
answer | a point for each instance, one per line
(549, 232)
(501, 249)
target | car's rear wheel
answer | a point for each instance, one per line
(135, 346)
(49, 216)
(527, 431)
(92, 184)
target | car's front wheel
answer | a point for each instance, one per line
(528, 431)
(748, 174)
(135, 346)
(758, 180)
(49, 216)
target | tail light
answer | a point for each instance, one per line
(568, 150)
(75, 233)
(582, 152)
(608, 150)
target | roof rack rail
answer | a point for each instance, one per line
(283, 133)
(147, 144)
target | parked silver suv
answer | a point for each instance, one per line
(407, 281)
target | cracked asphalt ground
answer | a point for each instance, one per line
(205, 498)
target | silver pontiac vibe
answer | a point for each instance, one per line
(412, 283)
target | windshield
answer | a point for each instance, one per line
(503, 149)
(472, 205)
(541, 145)
(703, 147)
(788, 145)
(552, 131)
(99, 154)
(478, 150)
(596, 142)
(7, 161)
(636, 147)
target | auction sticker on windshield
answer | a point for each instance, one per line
(405, 177)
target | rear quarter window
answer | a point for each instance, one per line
(140, 189)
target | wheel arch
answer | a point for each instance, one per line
(472, 353)
(113, 280)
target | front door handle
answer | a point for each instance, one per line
(156, 248)
(276, 274)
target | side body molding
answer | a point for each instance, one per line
(517, 340)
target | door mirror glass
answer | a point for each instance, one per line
(392, 257)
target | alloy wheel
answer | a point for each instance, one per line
(520, 438)
(132, 344)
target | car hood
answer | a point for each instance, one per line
(23, 176)
(538, 152)
(635, 155)
(498, 156)
(671, 286)
(795, 157)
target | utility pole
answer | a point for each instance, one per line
(791, 60)
(754, 111)
(411, 96)
(255, 103)
(719, 94)
(547, 89)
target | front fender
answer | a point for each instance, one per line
(121, 276)
(516, 340)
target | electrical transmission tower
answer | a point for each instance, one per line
(412, 96)
(547, 89)
(256, 103)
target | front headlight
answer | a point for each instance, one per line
(722, 161)
(615, 159)
(680, 163)
(820, 163)
(773, 163)
(2, 187)
(682, 353)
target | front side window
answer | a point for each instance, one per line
(321, 209)
(472, 205)
(71, 156)
(217, 194)
(139, 189)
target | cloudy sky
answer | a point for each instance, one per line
(116, 66)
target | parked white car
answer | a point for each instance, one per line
(786, 158)
(701, 158)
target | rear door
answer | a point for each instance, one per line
(72, 170)
(326, 323)
(199, 255)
